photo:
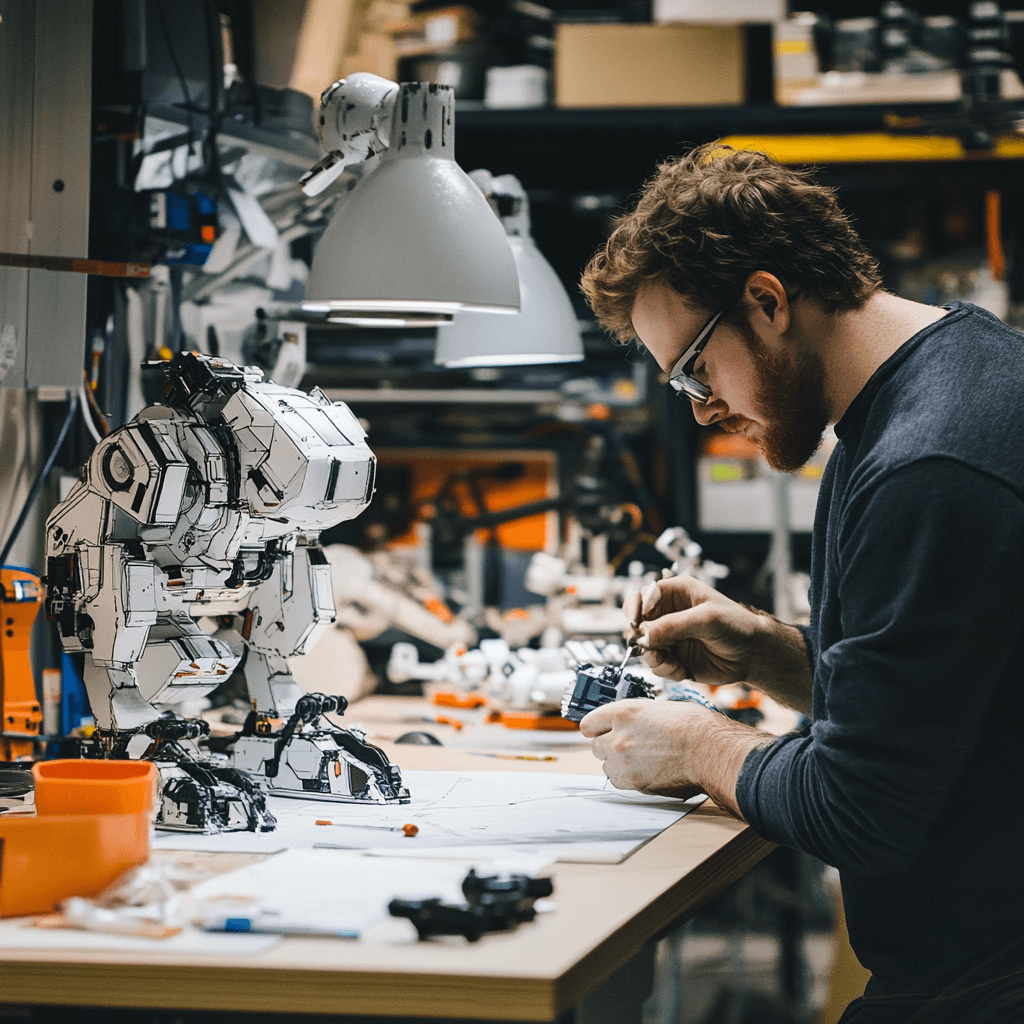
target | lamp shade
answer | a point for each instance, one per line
(415, 236)
(545, 331)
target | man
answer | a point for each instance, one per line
(751, 290)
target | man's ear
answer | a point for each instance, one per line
(766, 299)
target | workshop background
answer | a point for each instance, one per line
(513, 496)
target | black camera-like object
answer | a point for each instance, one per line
(596, 686)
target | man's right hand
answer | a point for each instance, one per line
(689, 630)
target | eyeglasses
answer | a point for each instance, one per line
(680, 376)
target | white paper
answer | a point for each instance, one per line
(341, 890)
(564, 817)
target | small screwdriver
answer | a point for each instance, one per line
(631, 651)
(409, 830)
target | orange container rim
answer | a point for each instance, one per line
(89, 772)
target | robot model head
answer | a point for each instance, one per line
(302, 461)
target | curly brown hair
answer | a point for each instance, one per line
(708, 220)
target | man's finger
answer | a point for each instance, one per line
(650, 596)
(666, 665)
(598, 721)
(696, 623)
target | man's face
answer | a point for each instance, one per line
(769, 390)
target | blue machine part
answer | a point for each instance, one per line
(194, 253)
(74, 703)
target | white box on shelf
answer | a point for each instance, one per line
(719, 10)
(748, 506)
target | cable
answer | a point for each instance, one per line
(43, 473)
(85, 396)
(183, 82)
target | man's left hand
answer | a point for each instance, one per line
(643, 744)
(672, 748)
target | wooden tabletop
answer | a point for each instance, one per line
(606, 914)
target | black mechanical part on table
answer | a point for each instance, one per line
(601, 685)
(493, 904)
(196, 793)
(330, 763)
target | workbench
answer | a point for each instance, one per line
(590, 961)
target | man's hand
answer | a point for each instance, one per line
(642, 742)
(672, 748)
(689, 630)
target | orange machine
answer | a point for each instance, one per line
(21, 593)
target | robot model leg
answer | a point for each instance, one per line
(198, 792)
(201, 794)
(310, 758)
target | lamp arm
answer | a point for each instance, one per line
(353, 123)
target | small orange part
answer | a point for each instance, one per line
(993, 233)
(21, 594)
(536, 720)
(410, 830)
(437, 607)
(455, 723)
(459, 699)
(207, 232)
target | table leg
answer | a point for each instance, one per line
(620, 999)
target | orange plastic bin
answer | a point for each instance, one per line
(92, 823)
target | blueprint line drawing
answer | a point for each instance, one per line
(571, 817)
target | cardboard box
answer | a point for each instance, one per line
(649, 65)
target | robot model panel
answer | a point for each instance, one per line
(204, 512)
(601, 685)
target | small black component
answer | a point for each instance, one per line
(308, 709)
(80, 747)
(215, 798)
(423, 739)
(16, 779)
(597, 686)
(493, 904)
(176, 729)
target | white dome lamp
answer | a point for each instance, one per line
(415, 241)
(545, 331)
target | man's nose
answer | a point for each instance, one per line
(706, 413)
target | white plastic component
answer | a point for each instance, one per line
(353, 123)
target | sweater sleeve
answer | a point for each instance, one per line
(930, 583)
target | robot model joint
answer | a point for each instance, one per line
(596, 686)
(188, 550)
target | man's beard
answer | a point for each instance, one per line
(789, 390)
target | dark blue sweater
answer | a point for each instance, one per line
(911, 778)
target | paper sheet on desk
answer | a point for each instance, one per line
(564, 817)
(343, 890)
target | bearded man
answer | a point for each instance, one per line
(752, 291)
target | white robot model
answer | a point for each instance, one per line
(208, 507)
